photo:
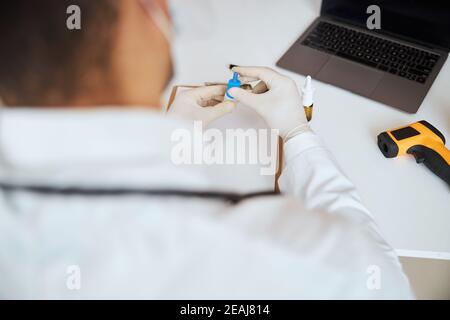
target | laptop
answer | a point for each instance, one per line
(395, 65)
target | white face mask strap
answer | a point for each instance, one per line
(159, 17)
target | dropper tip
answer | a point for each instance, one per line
(308, 82)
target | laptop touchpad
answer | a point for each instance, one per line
(352, 76)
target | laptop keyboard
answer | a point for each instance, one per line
(404, 61)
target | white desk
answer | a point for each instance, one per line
(410, 204)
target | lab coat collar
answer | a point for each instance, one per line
(87, 145)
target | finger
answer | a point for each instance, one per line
(207, 93)
(215, 84)
(207, 102)
(261, 87)
(246, 87)
(244, 96)
(212, 102)
(262, 73)
(220, 110)
(245, 79)
(219, 97)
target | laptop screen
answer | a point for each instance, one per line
(426, 21)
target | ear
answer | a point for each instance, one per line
(164, 5)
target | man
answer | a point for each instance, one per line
(92, 207)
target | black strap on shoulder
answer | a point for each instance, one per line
(230, 197)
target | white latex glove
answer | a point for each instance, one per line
(193, 104)
(281, 106)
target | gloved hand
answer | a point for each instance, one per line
(195, 104)
(281, 106)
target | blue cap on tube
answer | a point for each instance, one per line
(233, 83)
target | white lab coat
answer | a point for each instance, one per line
(316, 241)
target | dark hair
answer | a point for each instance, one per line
(41, 60)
